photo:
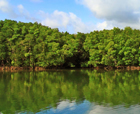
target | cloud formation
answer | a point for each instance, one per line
(115, 13)
(116, 10)
(5, 7)
(59, 19)
(22, 12)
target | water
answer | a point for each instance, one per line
(70, 92)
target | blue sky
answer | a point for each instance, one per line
(74, 15)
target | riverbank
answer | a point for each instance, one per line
(13, 68)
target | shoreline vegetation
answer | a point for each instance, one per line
(32, 46)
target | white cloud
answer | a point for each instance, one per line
(62, 20)
(117, 10)
(15, 11)
(20, 8)
(5, 7)
(77, 23)
(115, 13)
(22, 12)
(56, 19)
(59, 19)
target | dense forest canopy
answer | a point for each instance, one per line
(32, 44)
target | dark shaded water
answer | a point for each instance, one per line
(70, 92)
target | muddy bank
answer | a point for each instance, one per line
(15, 69)
(119, 67)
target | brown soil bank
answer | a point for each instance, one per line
(13, 68)
(123, 67)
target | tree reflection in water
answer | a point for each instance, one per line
(36, 91)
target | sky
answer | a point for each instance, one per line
(74, 15)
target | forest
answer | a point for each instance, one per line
(35, 45)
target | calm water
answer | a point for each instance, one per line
(70, 92)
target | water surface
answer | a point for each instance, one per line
(70, 92)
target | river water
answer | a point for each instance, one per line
(70, 92)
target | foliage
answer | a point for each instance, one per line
(32, 44)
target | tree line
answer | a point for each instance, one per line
(34, 45)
